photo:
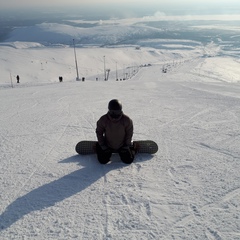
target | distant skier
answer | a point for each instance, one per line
(114, 133)
(18, 78)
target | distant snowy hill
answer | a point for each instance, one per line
(36, 63)
(102, 34)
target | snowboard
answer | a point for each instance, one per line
(142, 146)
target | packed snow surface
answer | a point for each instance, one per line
(189, 189)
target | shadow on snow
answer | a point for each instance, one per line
(56, 191)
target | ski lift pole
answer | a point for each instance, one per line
(75, 60)
(116, 71)
(11, 80)
(104, 66)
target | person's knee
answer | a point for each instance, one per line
(126, 155)
(103, 156)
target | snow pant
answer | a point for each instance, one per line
(126, 155)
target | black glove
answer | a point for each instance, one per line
(105, 149)
(128, 148)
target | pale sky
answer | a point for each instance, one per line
(59, 3)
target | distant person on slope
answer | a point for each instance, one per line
(114, 133)
(18, 78)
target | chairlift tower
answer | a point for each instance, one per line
(104, 68)
(77, 78)
(116, 71)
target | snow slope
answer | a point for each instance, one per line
(190, 189)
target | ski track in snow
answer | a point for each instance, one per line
(190, 189)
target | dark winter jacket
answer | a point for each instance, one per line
(114, 133)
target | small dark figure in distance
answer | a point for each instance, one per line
(60, 78)
(114, 133)
(18, 78)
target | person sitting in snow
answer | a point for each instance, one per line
(114, 133)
